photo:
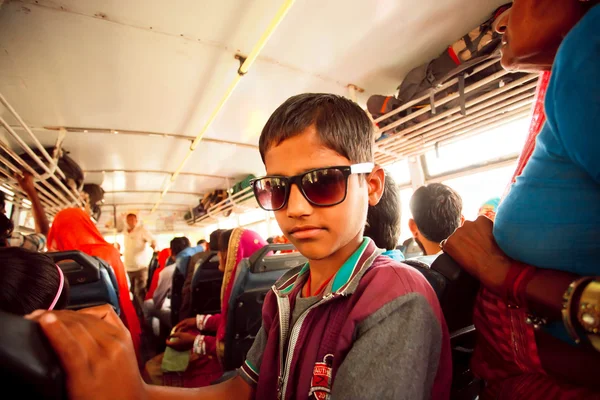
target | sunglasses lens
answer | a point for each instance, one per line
(270, 193)
(325, 187)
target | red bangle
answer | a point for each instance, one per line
(515, 284)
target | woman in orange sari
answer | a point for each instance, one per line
(73, 229)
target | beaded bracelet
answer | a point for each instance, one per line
(570, 297)
(588, 312)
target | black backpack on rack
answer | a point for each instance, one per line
(475, 48)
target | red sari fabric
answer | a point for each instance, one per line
(163, 256)
(73, 229)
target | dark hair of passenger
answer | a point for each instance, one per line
(29, 281)
(340, 123)
(201, 241)
(2, 201)
(179, 244)
(131, 215)
(224, 240)
(383, 220)
(214, 239)
(6, 229)
(436, 210)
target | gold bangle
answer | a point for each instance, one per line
(568, 312)
(588, 312)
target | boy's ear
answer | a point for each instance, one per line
(376, 183)
(412, 225)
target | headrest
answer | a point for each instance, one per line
(266, 258)
(78, 267)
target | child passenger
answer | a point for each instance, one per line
(351, 323)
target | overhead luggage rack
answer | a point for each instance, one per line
(239, 202)
(494, 99)
(53, 192)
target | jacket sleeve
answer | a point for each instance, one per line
(396, 353)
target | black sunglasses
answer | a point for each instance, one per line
(321, 187)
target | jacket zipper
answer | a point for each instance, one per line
(284, 373)
(283, 303)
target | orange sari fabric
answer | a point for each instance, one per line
(73, 229)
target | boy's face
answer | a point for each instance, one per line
(323, 230)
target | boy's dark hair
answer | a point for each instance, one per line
(340, 123)
(29, 281)
(436, 209)
(224, 240)
(383, 220)
(201, 241)
(179, 244)
(214, 239)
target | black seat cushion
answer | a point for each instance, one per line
(28, 364)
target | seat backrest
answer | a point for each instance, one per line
(206, 285)
(435, 279)
(255, 277)
(28, 364)
(92, 281)
(458, 297)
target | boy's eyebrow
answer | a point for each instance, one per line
(300, 172)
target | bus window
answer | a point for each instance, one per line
(496, 144)
(477, 188)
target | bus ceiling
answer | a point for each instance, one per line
(163, 102)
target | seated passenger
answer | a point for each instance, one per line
(30, 281)
(164, 278)
(164, 258)
(73, 229)
(34, 241)
(383, 221)
(545, 302)
(350, 323)
(204, 367)
(436, 213)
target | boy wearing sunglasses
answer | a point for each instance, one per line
(351, 323)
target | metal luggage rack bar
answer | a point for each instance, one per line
(53, 192)
(243, 199)
(503, 104)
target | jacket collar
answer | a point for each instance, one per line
(345, 280)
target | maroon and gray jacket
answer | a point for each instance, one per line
(377, 331)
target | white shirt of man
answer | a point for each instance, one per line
(135, 246)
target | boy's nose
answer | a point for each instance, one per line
(297, 205)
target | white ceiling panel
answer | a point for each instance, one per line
(162, 67)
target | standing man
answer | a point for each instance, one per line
(136, 264)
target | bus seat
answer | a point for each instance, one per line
(435, 279)
(255, 277)
(28, 364)
(206, 285)
(458, 301)
(92, 281)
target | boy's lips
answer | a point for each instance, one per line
(305, 232)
